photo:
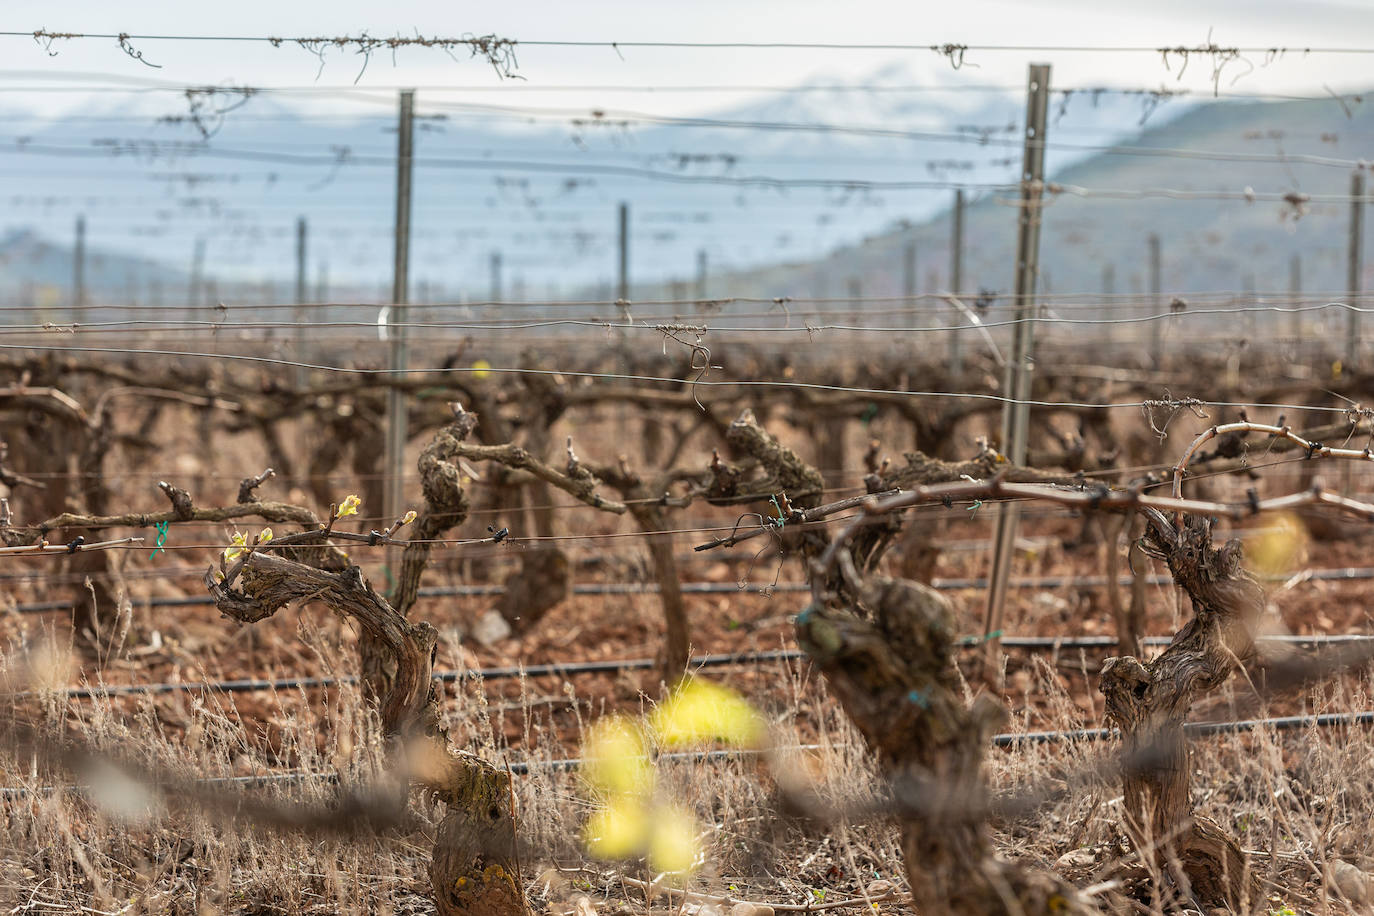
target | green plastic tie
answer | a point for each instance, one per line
(161, 538)
(781, 519)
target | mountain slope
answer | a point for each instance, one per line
(539, 185)
(1206, 244)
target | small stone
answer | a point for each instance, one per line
(751, 909)
(1352, 883)
(880, 888)
(490, 628)
(1049, 601)
(702, 909)
(1076, 859)
(554, 882)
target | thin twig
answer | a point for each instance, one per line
(76, 546)
(1314, 449)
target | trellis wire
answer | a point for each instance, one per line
(1196, 729)
(251, 685)
(1012, 740)
(1346, 574)
(142, 326)
(381, 374)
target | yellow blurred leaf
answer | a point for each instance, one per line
(349, 506)
(1279, 546)
(616, 758)
(618, 830)
(673, 843)
(481, 369)
(699, 712)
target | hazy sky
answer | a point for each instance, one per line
(79, 68)
(1264, 23)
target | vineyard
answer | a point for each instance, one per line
(227, 668)
(886, 565)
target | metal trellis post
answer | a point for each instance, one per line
(909, 281)
(302, 375)
(400, 290)
(1355, 266)
(79, 273)
(1295, 297)
(956, 283)
(1016, 412)
(1156, 302)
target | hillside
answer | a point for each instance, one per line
(1207, 245)
(539, 185)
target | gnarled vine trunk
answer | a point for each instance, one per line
(474, 869)
(446, 506)
(889, 661)
(1150, 702)
(886, 647)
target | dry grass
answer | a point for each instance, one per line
(1298, 801)
(110, 851)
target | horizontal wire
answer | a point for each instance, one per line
(707, 315)
(1055, 512)
(142, 325)
(855, 473)
(365, 42)
(1007, 740)
(468, 674)
(518, 768)
(584, 556)
(1064, 299)
(365, 93)
(783, 320)
(139, 149)
(978, 135)
(305, 119)
(510, 541)
(669, 380)
(191, 524)
(560, 669)
(1346, 574)
(517, 540)
(1195, 729)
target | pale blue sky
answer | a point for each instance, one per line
(1238, 22)
(801, 226)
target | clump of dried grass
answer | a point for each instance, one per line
(1298, 801)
